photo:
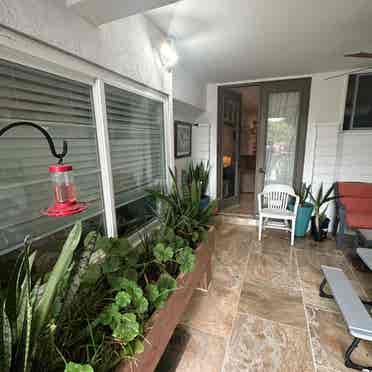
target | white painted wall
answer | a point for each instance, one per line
(200, 135)
(128, 46)
(333, 154)
(188, 89)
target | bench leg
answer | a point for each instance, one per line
(349, 363)
(321, 290)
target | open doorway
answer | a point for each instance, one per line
(247, 150)
(261, 140)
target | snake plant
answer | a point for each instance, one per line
(26, 308)
(200, 174)
(320, 202)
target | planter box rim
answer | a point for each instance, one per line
(181, 280)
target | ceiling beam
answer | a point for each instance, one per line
(99, 12)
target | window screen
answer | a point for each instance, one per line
(64, 107)
(137, 154)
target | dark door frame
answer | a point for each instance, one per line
(220, 123)
(261, 141)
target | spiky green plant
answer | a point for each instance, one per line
(200, 174)
(180, 209)
(320, 201)
(304, 193)
(79, 271)
(26, 309)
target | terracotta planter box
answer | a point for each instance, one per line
(162, 323)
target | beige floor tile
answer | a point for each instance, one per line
(330, 339)
(228, 276)
(323, 369)
(213, 311)
(257, 295)
(283, 305)
(273, 241)
(230, 259)
(233, 252)
(245, 206)
(365, 279)
(311, 297)
(326, 247)
(227, 231)
(265, 346)
(273, 269)
(311, 276)
(200, 353)
(310, 263)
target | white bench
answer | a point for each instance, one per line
(357, 318)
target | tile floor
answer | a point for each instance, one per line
(244, 208)
(263, 313)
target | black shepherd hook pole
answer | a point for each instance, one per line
(43, 131)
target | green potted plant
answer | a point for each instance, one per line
(200, 174)
(28, 305)
(304, 211)
(320, 221)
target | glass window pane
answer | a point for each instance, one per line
(363, 105)
(137, 154)
(63, 107)
(349, 104)
(231, 122)
(282, 124)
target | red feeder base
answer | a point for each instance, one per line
(65, 209)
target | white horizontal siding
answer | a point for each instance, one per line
(325, 154)
(341, 156)
(356, 157)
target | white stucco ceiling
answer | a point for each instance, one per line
(99, 12)
(232, 40)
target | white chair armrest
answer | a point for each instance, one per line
(297, 203)
(259, 199)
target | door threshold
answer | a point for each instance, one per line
(237, 214)
(236, 219)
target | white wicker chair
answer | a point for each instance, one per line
(273, 209)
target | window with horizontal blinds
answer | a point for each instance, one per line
(65, 108)
(136, 132)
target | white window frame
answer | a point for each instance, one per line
(17, 48)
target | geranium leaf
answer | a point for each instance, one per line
(122, 299)
(75, 367)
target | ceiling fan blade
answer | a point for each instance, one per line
(362, 69)
(359, 55)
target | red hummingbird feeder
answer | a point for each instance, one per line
(64, 190)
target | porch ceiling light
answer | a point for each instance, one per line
(64, 190)
(276, 120)
(168, 54)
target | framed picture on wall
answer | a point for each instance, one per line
(182, 139)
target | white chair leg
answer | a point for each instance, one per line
(293, 232)
(260, 228)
